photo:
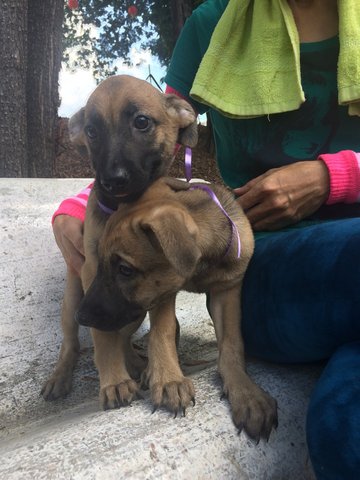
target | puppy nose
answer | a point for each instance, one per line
(116, 182)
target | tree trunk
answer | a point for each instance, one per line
(13, 54)
(44, 62)
(30, 56)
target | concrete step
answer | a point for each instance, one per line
(73, 438)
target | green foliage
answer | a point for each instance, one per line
(116, 32)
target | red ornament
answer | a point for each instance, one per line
(73, 4)
(132, 11)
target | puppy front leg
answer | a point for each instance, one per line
(117, 388)
(253, 409)
(59, 384)
(168, 386)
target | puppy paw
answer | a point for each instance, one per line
(253, 410)
(176, 396)
(57, 386)
(121, 394)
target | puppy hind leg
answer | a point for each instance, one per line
(135, 362)
(59, 384)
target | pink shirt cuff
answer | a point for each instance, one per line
(172, 90)
(344, 173)
(74, 206)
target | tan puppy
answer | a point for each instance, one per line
(129, 130)
(176, 237)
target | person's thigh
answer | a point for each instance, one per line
(333, 420)
(301, 293)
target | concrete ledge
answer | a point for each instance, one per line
(73, 439)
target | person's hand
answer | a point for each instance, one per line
(283, 196)
(68, 232)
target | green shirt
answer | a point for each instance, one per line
(247, 148)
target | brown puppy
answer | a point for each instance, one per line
(129, 130)
(177, 238)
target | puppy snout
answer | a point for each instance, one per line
(86, 319)
(116, 182)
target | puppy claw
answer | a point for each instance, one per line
(58, 386)
(175, 395)
(119, 395)
(154, 409)
(256, 415)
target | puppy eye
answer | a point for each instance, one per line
(91, 132)
(121, 267)
(141, 122)
(125, 270)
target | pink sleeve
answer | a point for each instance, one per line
(169, 89)
(344, 172)
(74, 206)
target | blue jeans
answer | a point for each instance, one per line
(301, 303)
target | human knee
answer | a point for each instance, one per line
(334, 416)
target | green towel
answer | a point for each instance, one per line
(349, 57)
(252, 64)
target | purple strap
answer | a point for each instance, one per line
(188, 155)
(205, 188)
(105, 209)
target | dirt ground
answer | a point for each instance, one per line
(69, 164)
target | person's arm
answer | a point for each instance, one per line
(74, 206)
(188, 52)
(68, 228)
(297, 191)
(283, 196)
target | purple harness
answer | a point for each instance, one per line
(205, 188)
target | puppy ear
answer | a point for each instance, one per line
(76, 131)
(177, 234)
(186, 117)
